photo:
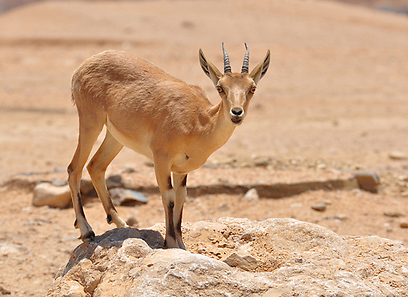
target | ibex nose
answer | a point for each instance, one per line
(236, 111)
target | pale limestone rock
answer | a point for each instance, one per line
(245, 262)
(122, 196)
(293, 259)
(50, 195)
(251, 195)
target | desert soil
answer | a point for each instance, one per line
(335, 97)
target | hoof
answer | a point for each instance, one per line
(174, 245)
(88, 237)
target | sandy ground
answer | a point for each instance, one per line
(335, 97)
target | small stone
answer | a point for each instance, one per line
(245, 262)
(404, 224)
(319, 207)
(223, 207)
(122, 196)
(46, 194)
(261, 162)
(367, 181)
(274, 293)
(403, 177)
(393, 214)
(87, 187)
(341, 217)
(114, 181)
(251, 195)
(59, 183)
(4, 291)
(396, 155)
(132, 222)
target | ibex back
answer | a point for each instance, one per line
(156, 115)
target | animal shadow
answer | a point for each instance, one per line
(111, 238)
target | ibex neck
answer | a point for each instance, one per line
(222, 128)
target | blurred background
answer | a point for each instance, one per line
(335, 92)
(334, 98)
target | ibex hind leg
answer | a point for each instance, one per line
(97, 168)
(87, 137)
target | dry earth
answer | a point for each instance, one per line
(335, 97)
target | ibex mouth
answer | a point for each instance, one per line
(236, 120)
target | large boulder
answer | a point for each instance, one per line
(275, 257)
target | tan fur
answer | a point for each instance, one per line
(157, 115)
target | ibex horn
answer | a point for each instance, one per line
(227, 66)
(245, 65)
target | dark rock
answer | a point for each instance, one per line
(367, 181)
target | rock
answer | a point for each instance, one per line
(4, 291)
(114, 181)
(59, 183)
(404, 224)
(367, 181)
(87, 187)
(122, 196)
(50, 195)
(10, 249)
(251, 195)
(393, 214)
(396, 155)
(245, 262)
(319, 207)
(293, 258)
(132, 222)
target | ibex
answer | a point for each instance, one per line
(159, 116)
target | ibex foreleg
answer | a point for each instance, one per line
(173, 197)
(180, 187)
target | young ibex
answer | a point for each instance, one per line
(156, 115)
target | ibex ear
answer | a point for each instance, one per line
(212, 72)
(259, 71)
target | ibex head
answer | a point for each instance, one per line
(235, 89)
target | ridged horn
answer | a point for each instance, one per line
(227, 65)
(245, 64)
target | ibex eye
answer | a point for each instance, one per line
(252, 90)
(220, 89)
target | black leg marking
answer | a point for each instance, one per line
(109, 219)
(171, 231)
(178, 227)
(169, 184)
(184, 181)
(89, 237)
(81, 209)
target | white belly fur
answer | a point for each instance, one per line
(139, 143)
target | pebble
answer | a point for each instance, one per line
(86, 186)
(393, 214)
(367, 181)
(319, 207)
(223, 207)
(251, 195)
(245, 262)
(114, 181)
(122, 196)
(396, 155)
(341, 217)
(50, 195)
(132, 222)
(404, 224)
(4, 291)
